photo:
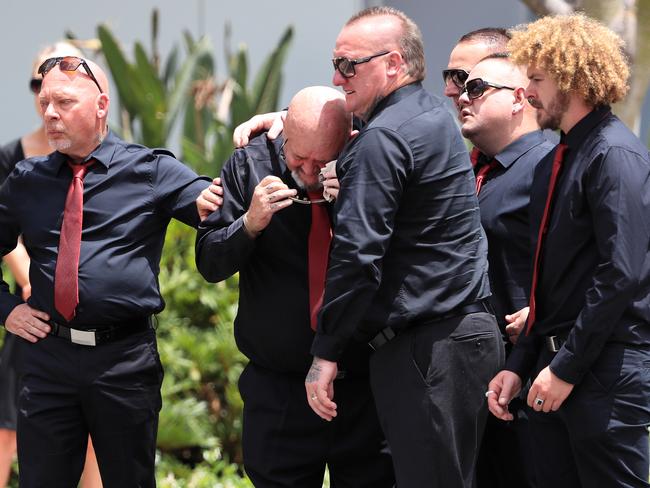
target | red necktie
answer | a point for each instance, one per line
(473, 156)
(320, 235)
(543, 227)
(66, 286)
(482, 173)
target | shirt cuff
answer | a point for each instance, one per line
(521, 361)
(566, 367)
(327, 347)
(9, 302)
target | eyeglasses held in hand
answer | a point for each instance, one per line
(35, 85)
(457, 76)
(304, 201)
(67, 63)
(346, 66)
(476, 87)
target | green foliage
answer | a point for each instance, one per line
(199, 436)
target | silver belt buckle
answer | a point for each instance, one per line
(553, 343)
(83, 337)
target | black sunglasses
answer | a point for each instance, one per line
(35, 85)
(457, 76)
(476, 88)
(67, 63)
(346, 66)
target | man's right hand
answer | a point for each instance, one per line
(210, 199)
(28, 323)
(270, 196)
(273, 121)
(501, 390)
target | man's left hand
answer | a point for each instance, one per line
(549, 390)
(319, 385)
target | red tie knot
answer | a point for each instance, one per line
(80, 170)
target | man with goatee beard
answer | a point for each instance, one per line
(274, 229)
(586, 342)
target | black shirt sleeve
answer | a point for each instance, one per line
(222, 245)
(616, 192)
(373, 181)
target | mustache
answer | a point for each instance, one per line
(55, 127)
(534, 102)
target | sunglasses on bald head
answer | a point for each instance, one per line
(346, 66)
(476, 87)
(457, 76)
(67, 63)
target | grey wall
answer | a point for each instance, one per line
(25, 27)
(442, 26)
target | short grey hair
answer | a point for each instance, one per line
(410, 41)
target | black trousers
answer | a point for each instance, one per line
(599, 436)
(286, 444)
(67, 391)
(429, 385)
(505, 459)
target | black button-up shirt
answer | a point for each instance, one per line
(504, 201)
(272, 327)
(408, 244)
(130, 195)
(594, 278)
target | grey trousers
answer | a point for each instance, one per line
(429, 385)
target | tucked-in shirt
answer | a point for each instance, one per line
(504, 201)
(272, 327)
(594, 276)
(130, 195)
(408, 244)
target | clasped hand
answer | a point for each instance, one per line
(270, 196)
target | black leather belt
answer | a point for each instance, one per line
(101, 334)
(554, 343)
(388, 333)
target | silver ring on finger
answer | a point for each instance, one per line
(314, 396)
(539, 401)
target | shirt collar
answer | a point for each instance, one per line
(579, 132)
(102, 153)
(519, 147)
(395, 96)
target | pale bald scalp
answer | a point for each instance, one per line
(318, 113)
(508, 73)
(99, 73)
(61, 48)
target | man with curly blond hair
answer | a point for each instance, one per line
(586, 345)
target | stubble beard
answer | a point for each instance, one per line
(551, 117)
(302, 185)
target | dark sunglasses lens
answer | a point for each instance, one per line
(459, 77)
(456, 76)
(475, 88)
(69, 63)
(46, 66)
(35, 85)
(344, 66)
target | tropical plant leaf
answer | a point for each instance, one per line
(266, 89)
